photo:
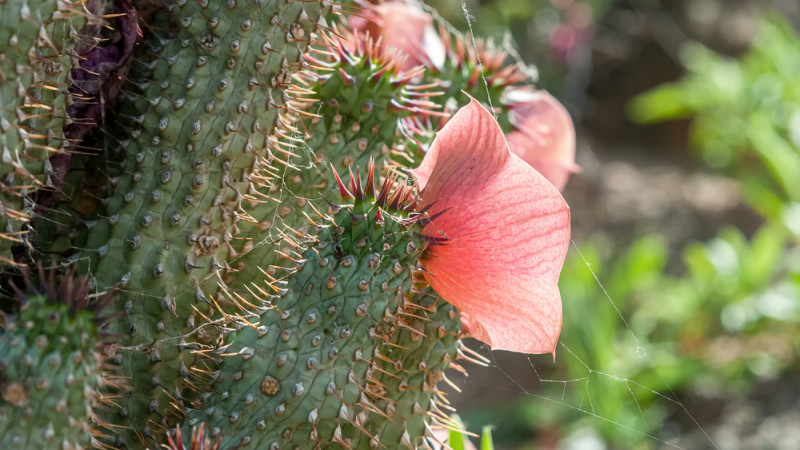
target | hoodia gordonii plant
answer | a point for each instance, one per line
(52, 365)
(256, 298)
(59, 66)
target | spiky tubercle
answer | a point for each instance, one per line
(52, 370)
(471, 68)
(365, 101)
(478, 65)
(158, 226)
(198, 440)
(338, 352)
(38, 51)
(350, 102)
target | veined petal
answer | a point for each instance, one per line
(405, 27)
(545, 136)
(529, 326)
(508, 231)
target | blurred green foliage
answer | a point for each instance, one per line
(636, 339)
(745, 114)
(629, 350)
(732, 317)
(458, 440)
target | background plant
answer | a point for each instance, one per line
(714, 319)
(231, 288)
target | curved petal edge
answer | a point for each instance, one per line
(507, 231)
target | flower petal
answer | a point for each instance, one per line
(546, 136)
(408, 29)
(508, 229)
(554, 167)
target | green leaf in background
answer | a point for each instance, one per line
(668, 102)
(743, 110)
(456, 440)
(486, 439)
(778, 155)
(718, 315)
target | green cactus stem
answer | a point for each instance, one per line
(337, 351)
(166, 195)
(250, 309)
(37, 52)
(350, 106)
(52, 370)
(61, 66)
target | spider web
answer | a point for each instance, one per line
(576, 403)
(537, 382)
(543, 385)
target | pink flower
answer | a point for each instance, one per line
(406, 28)
(507, 231)
(544, 136)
